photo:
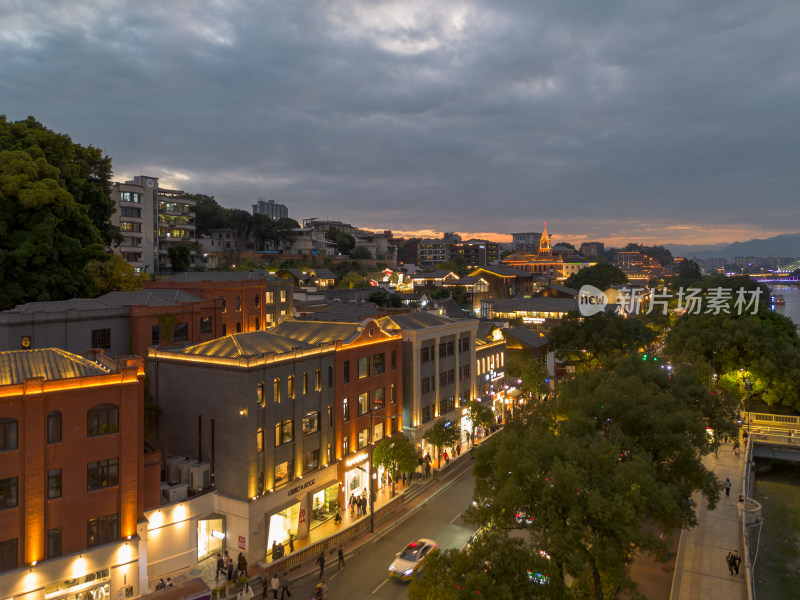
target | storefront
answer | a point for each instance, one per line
(210, 536)
(356, 475)
(91, 586)
(324, 504)
(283, 522)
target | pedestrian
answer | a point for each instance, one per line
(285, 585)
(729, 562)
(427, 469)
(242, 566)
(226, 560)
(736, 450)
(321, 563)
(736, 560)
(745, 443)
(364, 505)
(740, 505)
(727, 487)
(246, 593)
(291, 542)
(274, 586)
(161, 584)
(230, 571)
(170, 584)
(341, 558)
(458, 450)
(220, 565)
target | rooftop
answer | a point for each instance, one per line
(50, 363)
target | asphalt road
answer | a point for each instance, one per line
(366, 572)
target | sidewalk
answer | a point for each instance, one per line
(414, 494)
(700, 569)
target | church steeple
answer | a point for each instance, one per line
(544, 241)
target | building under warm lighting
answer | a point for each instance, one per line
(283, 419)
(75, 477)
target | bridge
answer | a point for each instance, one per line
(774, 436)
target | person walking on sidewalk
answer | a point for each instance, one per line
(285, 585)
(736, 560)
(740, 505)
(341, 558)
(729, 561)
(728, 486)
(220, 565)
(321, 563)
(274, 586)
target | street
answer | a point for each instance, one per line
(366, 572)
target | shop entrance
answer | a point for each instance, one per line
(323, 504)
(281, 524)
(210, 536)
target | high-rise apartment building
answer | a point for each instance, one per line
(151, 219)
(270, 208)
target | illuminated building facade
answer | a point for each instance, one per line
(75, 477)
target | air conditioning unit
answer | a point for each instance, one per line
(183, 469)
(176, 493)
(173, 476)
(199, 476)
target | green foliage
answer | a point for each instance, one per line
(180, 257)
(352, 281)
(361, 253)
(113, 274)
(530, 371)
(618, 451)
(689, 269)
(344, 241)
(383, 298)
(659, 253)
(601, 276)
(457, 293)
(480, 415)
(397, 455)
(441, 435)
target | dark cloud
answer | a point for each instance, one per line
(652, 121)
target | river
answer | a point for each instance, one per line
(790, 293)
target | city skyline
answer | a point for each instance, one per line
(654, 124)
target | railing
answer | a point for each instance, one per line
(767, 418)
(746, 488)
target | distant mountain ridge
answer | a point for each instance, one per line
(783, 246)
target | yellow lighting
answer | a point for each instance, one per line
(179, 513)
(79, 567)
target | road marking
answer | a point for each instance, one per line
(380, 586)
(456, 517)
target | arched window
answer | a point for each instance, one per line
(290, 386)
(260, 394)
(276, 390)
(260, 439)
(8, 434)
(54, 427)
(238, 303)
(305, 383)
(102, 420)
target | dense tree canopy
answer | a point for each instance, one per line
(397, 455)
(180, 257)
(601, 276)
(111, 275)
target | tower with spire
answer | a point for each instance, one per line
(545, 249)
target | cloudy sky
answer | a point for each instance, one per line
(672, 121)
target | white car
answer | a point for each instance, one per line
(409, 561)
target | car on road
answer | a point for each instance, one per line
(409, 562)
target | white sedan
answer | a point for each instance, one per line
(409, 561)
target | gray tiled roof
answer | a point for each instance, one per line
(148, 298)
(338, 313)
(60, 305)
(51, 363)
(323, 273)
(502, 271)
(439, 274)
(538, 304)
(253, 343)
(219, 276)
(526, 336)
(562, 288)
(415, 320)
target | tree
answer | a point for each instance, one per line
(112, 275)
(46, 237)
(353, 280)
(397, 455)
(360, 253)
(531, 372)
(180, 257)
(479, 415)
(344, 241)
(443, 434)
(619, 450)
(689, 269)
(208, 214)
(601, 276)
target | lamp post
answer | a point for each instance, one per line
(371, 448)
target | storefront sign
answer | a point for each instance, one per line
(242, 543)
(300, 487)
(302, 515)
(93, 586)
(356, 459)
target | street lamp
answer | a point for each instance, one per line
(371, 448)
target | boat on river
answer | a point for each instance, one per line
(778, 300)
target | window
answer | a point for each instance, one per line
(290, 387)
(102, 474)
(347, 371)
(284, 432)
(363, 367)
(238, 327)
(260, 393)
(180, 333)
(283, 473)
(270, 297)
(451, 377)
(54, 427)
(363, 438)
(155, 335)
(8, 555)
(363, 403)
(310, 423)
(260, 439)
(102, 530)
(101, 338)
(311, 461)
(392, 396)
(442, 349)
(205, 325)
(345, 446)
(426, 414)
(464, 371)
(238, 303)
(283, 295)
(125, 211)
(8, 492)
(224, 305)
(378, 398)
(318, 380)
(442, 379)
(130, 226)
(54, 483)
(276, 390)
(378, 364)
(451, 348)
(329, 454)
(54, 543)
(130, 197)
(305, 383)
(330, 416)
(426, 385)
(330, 377)
(102, 420)
(465, 344)
(446, 405)
(394, 360)
(257, 300)
(425, 354)
(345, 409)
(378, 433)
(258, 323)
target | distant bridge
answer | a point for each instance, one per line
(774, 436)
(775, 278)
